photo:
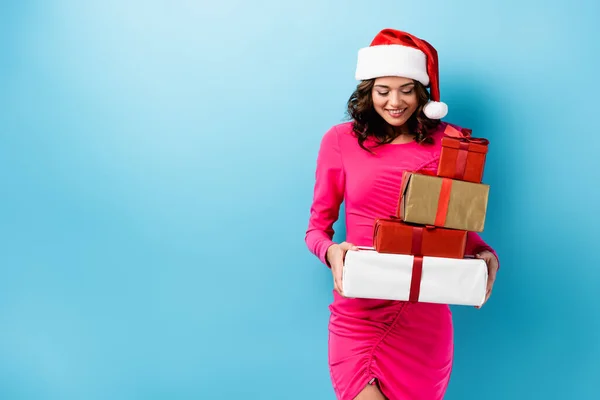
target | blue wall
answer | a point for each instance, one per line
(157, 163)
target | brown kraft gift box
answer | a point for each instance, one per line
(443, 202)
(392, 236)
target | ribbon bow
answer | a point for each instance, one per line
(472, 140)
(453, 132)
(464, 135)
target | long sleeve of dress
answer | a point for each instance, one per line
(328, 196)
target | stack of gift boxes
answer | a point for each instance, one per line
(419, 253)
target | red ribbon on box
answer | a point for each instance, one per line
(417, 240)
(417, 267)
(443, 202)
(415, 281)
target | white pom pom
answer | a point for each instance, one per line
(435, 110)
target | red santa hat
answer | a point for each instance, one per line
(397, 53)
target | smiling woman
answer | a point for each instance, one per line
(381, 348)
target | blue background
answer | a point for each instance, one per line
(157, 163)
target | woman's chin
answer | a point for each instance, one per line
(395, 121)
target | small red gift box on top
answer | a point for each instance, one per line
(462, 156)
(391, 235)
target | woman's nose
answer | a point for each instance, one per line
(395, 99)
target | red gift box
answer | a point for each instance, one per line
(462, 156)
(397, 237)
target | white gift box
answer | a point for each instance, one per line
(372, 275)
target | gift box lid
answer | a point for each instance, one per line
(477, 145)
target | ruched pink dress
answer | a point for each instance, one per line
(405, 348)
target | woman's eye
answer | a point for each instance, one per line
(407, 91)
(383, 93)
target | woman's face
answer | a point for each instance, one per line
(395, 99)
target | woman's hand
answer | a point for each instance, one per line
(492, 266)
(335, 258)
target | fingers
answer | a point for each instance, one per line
(487, 296)
(488, 293)
(490, 286)
(490, 261)
(337, 282)
(337, 285)
(348, 246)
(337, 288)
(488, 258)
(488, 290)
(337, 271)
(484, 257)
(492, 268)
(339, 266)
(490, 282)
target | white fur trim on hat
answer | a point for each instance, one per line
(392, 60)
(435, 110)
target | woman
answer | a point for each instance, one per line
(381, 349)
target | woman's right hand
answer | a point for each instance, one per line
(335, 258)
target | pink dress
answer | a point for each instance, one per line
(406, 348)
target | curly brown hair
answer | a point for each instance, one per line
(368, 123)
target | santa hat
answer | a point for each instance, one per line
(397, 53)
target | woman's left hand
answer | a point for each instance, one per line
(492, 266)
